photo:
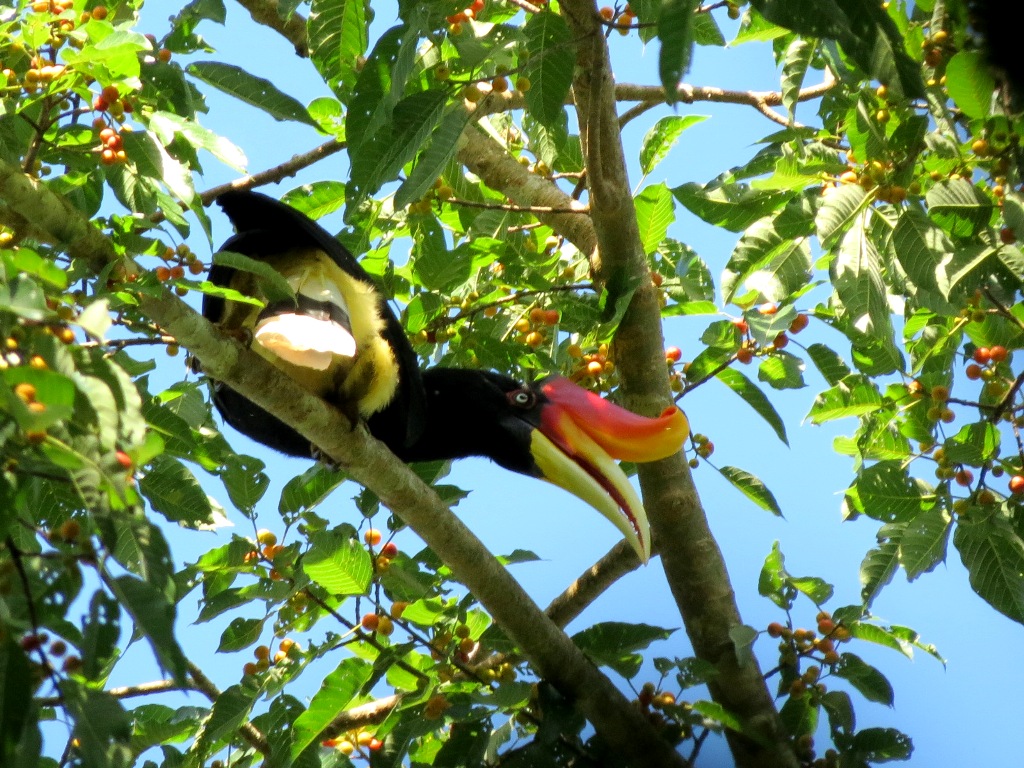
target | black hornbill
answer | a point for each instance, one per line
(340, 339)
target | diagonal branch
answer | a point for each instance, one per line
(623, 728)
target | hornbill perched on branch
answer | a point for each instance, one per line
(338, 338)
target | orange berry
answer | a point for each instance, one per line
(1017, 485)
(973, 372)
(982, 355)
(389, 550)
(673, 354)
(163, 273)
(163, 55)
(768, 308)
(552, 316)
(998, 353)
(534, 339)
(744, 355)
(99, 12)
(372, 537)
(370, 621)
(799, 323)
(775, 629)
(607, 13)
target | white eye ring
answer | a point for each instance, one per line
(522, 398)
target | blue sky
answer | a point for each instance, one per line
(509, 511)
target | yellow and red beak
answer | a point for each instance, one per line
(579, 436)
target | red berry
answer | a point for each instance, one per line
(124, 459)
(744, 355)
(973, 372)
(982, 355)
(741, 326)
(997, 353)
(775, 629)
(780, 341)
(799, 323)
(1017, 485)
(370, 621)
(1007, 236)
(389, 550)
(673, 354)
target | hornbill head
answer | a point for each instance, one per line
(553, 430)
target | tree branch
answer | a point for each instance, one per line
(690, 556)
(624, 729)
(293, 28)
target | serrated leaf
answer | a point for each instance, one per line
(993, 554)
(239, 634)
(751, 487)
(959, 207)
(273, 284)
(654, 213)
(767, 264)
(250, 89)
(336, 693)
(245, 481)
(782, 371)
(839, 211)
(337, 38)
(755, 398)
(154, 618)
(731, 206)
(794, 68)
(675, 30)
(871, 683)
(309, 489)
(878, 567)
(662, 136)
(338, 563)
(550, 66)
(614, 644)
(175, 493)
(440, 149)
(924, 542)
(853, 396)
(970, 84)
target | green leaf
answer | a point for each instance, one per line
(731, 206)
(245, 481)
(154, 617)
(925, 541)
(662, 136)
(959, 207)
(881, 745)
(175, 493)
(755, 398)
(766, 264)
(880, 565)
(272, 283)
(993, 554)
(336, 693)
(970, 84)
(28, 261)
(240, 633)
(308, 490)
(828, 363)
(614, 644)
(229, 711)
(336, 35)
(885, 491)
(654, 213)
(17, 715)
(854, 395)
(839, 709)
(839, 211)
(796, 60)
(102, 727)
(550, 67)
(743, 638)
(782, 371)
(675, 29)
(871, 683)
(440, 149)
(338, 563)
(167, 126)
(751, 487)
(250, 89)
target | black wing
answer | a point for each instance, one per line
(265, 226)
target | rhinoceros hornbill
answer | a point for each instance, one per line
(339, 339)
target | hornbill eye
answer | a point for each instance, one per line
(522, 398)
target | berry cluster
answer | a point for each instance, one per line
(354, 743)
(286, 650)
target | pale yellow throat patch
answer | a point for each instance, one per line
(321, 355)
